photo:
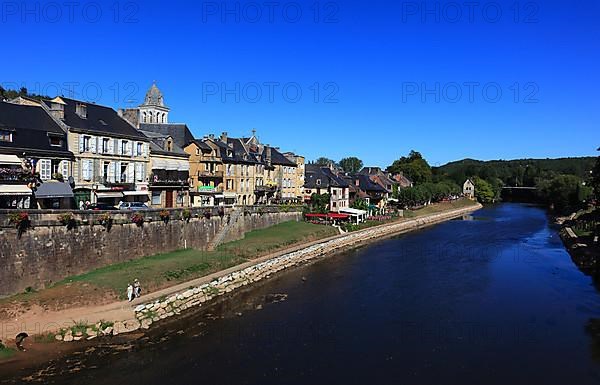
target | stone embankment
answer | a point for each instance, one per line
(174, 304)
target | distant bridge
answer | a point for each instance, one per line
(520, 194)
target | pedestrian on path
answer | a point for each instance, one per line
(130, 294)
(137, 288)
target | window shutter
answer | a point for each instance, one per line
(111, 146)
(80, 143)
(130, 173)
(64, 168)
(111, 172)
(130, 148)
(91, 168)
(93, 141)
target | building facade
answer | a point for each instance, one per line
(322, 180)
(35, 162)
(469, 189)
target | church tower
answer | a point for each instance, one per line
(153, 110)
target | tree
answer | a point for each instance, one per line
(595, 183)
(319, 203)
(351, 164)
(565, 193)
(484, 191)
(414, 167)
(324, 162)
(360, 204)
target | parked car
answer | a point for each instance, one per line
(133, 206)
(101, 206)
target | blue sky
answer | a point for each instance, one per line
(495, 80)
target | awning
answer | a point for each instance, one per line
(352, 211)
(230, 195)
(135, 193)
(172, 165)
(109, 194)
(219, 196)
(53, 189)
(10, 159)
(159, 164)
(330, 216)
(14, 189)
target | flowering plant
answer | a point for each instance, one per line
(105, 220)
(20, 221)
(186, 215)
(67, 219)
(164, 215)
(138, 219)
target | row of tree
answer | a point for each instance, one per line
(426, 193)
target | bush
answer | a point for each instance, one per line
(20, 221)
(67, 219)
(165, 216)
(138, 219)
(186, 215)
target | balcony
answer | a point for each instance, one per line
(265, 189)
(9, 175)
(169, 178)
(209, 174)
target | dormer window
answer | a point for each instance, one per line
(318, 182)
(6, 136)
(81, 110)
(55, 141)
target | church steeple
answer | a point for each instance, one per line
(153, 110)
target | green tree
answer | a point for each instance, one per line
(565, 193)
(351, 164)
(319, 203)
(324, 162)
(413, 167)
(360, 204)
(595, 182)
(484, 192)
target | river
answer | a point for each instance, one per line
(494, 299)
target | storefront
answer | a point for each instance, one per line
(15, 196)
(136, 196)
(111, 198)
(54, 195)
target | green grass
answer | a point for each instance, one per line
(179, 266)
(6, 352)
(260, 242)
(439, 207)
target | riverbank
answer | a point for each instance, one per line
(152, 308)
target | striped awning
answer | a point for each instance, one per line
(14, 189)
(10, 159)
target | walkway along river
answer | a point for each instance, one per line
(492, 300)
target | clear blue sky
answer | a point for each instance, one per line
(376, 66)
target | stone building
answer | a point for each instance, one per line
(322, 180)
(469, 189)
(111, 156)
(152, 111)
(297, 190)
(35, 162)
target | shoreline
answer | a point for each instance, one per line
(169, 303)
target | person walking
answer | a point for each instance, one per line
(130, 295)
(137, 288)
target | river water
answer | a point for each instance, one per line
(494, 299)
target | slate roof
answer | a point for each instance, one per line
(31, 127)
(158, 144)
(328, 179)
(180, 133)
(99, 120)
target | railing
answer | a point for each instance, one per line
(210, 174)
(169, 179)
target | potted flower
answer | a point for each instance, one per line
(20, 221)
(105, 220)
(207, 214)
(68, 220)
(164, 215)
(186, 215)
(138, 219)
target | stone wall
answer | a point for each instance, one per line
(49, 251)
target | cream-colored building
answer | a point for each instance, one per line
(469, 189)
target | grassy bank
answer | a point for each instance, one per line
(108, 283)
(439, 207)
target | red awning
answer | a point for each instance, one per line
(330, 216)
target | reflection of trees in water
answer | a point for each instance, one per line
(593, 329)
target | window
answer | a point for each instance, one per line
(139, 149)
(87, 169)
(55, 141)
(5, 136)
(334, 205)
(45, 169)
(318, 182)
(156, 197)
(124, 147)
(105, 167)
(86, 143)
(123, 172)
(105, 145)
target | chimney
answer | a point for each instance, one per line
(224, 137)
(268, 154)
(211, 136)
